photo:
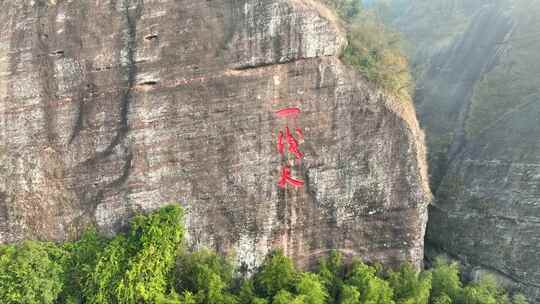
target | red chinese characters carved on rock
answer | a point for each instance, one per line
(286, 177)
(293, 144)
(299, 133)
(280, 144)
(288, 112)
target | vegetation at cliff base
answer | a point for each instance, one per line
(150, 264)
(373, 49)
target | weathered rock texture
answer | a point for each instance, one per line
(479, 99)
(113, 107)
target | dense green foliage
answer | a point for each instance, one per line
(30, 273)
(204, 276)
(150, 264)
(373, 49)
(410, 287)
(346, 9)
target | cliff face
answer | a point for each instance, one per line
(479, 100)
(112, 107)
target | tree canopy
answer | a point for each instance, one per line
(151, 264)
(373, 49)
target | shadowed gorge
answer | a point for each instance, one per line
(476, 64)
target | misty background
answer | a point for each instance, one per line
(476, 65)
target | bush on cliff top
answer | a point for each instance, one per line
(373, 49)
(150, 264)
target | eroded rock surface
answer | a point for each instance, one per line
(113, 107)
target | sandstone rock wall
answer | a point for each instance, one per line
(113, 107)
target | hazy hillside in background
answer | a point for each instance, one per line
(477, 70)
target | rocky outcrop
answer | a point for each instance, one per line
(478, 98)
(113, 107)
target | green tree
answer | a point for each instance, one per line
(259, 301)
(373, 49)
(81, 258)
(442, 299)
(277, 272)
(155, 239)
(410, 286)
(331, 272)
(188, 298)
(445, 280)
(349, 295)
(347, 9)
(206, 274)
(519, 299)
(171, 298)
(475, 295)
(108, 271)
(373, 290)
(283, 297)
(30, 273)
(486, 291)
(246, 293)
(310, 286)
(135, 268)
(139, 268)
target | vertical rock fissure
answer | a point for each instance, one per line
(128, 63)
(86, 88)
(131, 15)
(131, 12)
(44, 65)
(3, 215)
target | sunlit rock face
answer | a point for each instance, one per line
(478, 99)
(108, 108)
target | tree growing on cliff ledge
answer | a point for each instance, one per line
(373, 49)
(346, 9)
